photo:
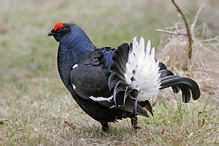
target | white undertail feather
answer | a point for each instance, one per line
(101, 98)
(142, 70)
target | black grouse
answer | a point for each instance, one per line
(111, 84)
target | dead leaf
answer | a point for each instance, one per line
(66, 123)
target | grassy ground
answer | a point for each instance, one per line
(34, 103)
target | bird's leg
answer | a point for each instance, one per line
(134, 122)
(105, 126)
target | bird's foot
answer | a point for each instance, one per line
(105, 126)
(134, 122)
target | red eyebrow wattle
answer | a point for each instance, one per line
(58, 25)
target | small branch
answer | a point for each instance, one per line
(187, 29)
(196, 17)
(169, 32)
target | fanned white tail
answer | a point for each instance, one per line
(142, 70)
(136, 76)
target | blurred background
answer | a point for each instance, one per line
(26, 49)
(30, 88)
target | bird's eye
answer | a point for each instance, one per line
(59, 30)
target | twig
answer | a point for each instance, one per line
(187, 29)
(169, 32)
(211, 39)
(196, 17)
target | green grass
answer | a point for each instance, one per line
(34, 103)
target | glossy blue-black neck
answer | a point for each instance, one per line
(73, 47)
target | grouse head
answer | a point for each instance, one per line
(59, 30)
(71, 35)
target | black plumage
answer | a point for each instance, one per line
(96, 77)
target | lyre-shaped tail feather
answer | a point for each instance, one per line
(165, 72)
(184, 83)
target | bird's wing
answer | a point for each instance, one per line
(89, 79)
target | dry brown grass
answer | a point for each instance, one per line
(203, 66)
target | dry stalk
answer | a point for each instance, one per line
(195, 19)
(170, 32)
(187, 29)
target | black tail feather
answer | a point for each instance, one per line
(185, 84)
(129, 105)
(165, 72)
(113, 79)
(115, 92)
(147, 105)
(162, 66)
(127, 92)
(185, 94)
(135, 94)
